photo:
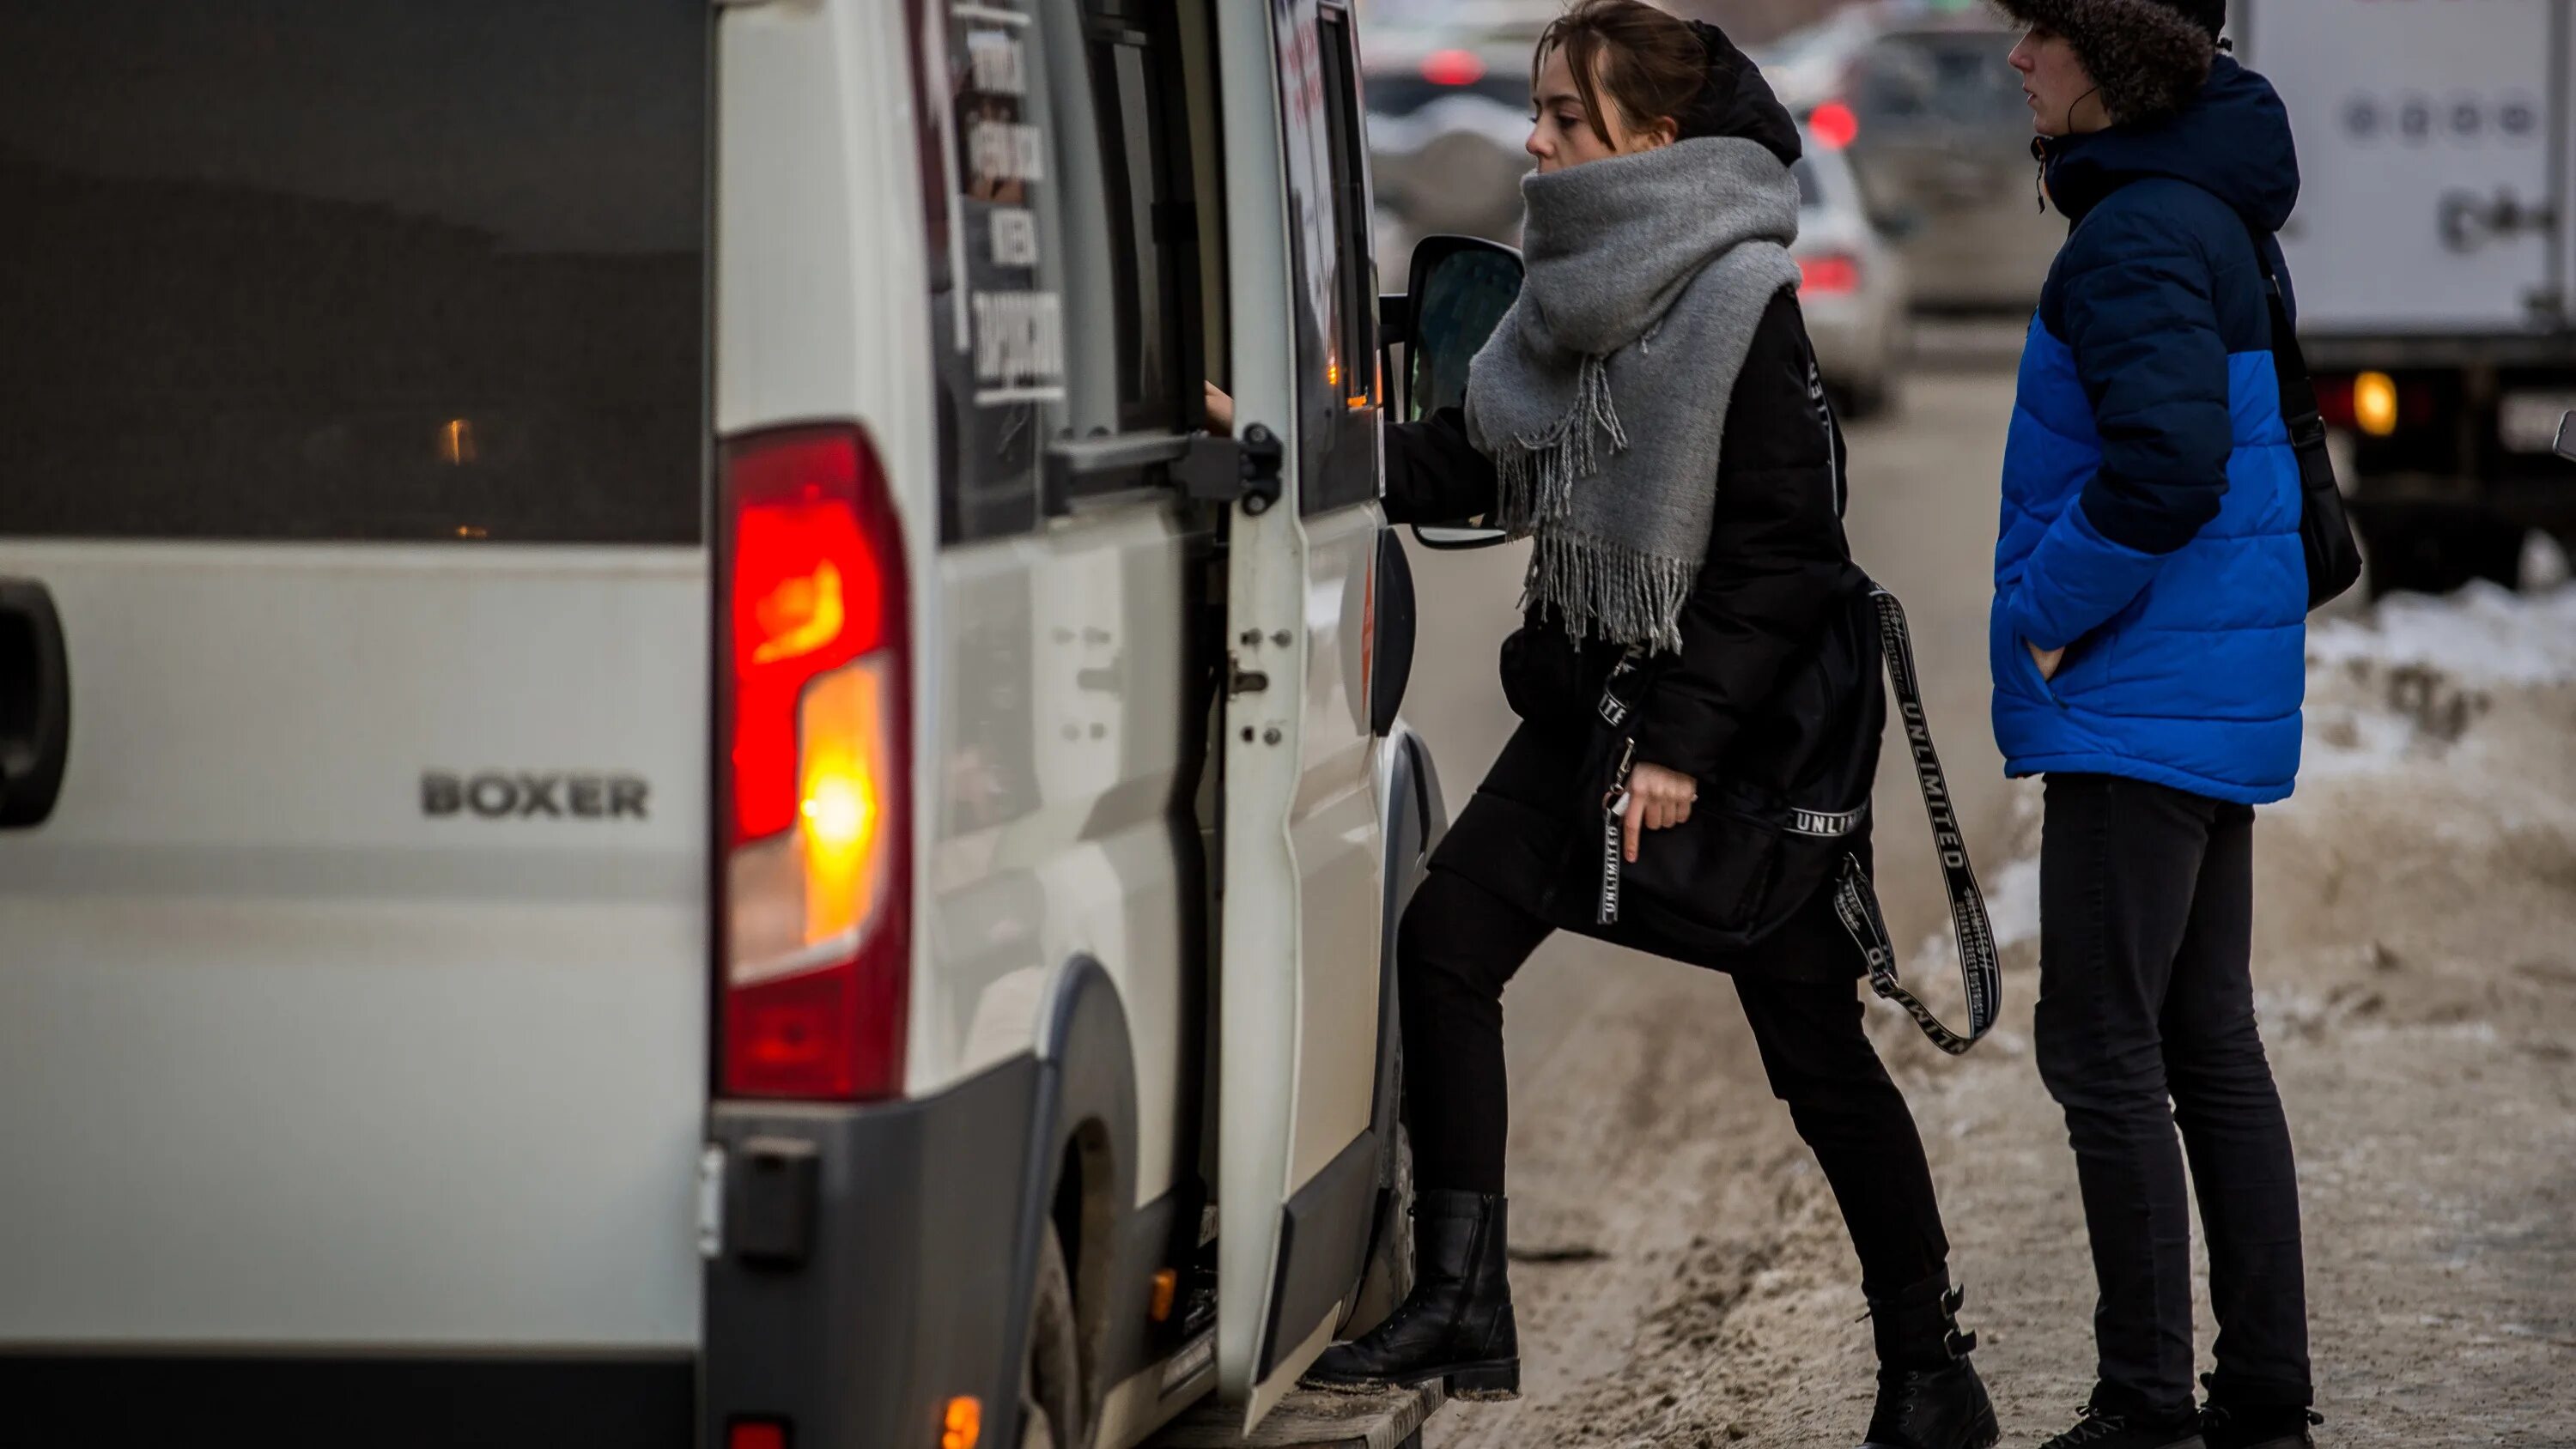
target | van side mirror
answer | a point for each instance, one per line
(1459, 288)
(2567, 437)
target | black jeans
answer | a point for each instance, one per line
(2146, 1005)
(1460, 943)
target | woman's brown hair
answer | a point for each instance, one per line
(1651, 63)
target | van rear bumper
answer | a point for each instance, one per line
(866, 1276)
(389, 1401)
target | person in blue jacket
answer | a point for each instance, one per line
(2148, 650)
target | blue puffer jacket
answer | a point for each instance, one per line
(2150, 495)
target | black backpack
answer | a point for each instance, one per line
(1778, 828)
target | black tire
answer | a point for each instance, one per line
(1051, 1401)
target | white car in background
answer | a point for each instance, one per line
(1851, 284)
(1919, 98)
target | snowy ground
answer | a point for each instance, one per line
(1683, 1278)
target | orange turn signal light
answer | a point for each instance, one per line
(963, 1424)
(1167, 1284)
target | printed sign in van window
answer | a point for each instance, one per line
(997, 308)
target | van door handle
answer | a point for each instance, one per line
(35, 704)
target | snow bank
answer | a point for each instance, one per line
(2484, 634)
(2432, 700)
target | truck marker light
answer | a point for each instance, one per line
(963, 1424)
(756, 1434)
(2374, 403)
(1167, 1284)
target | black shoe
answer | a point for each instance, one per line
(1943, 1408)
(1929, 1395)
(1456, 1324)
(2255, 1426)
(2102, 1429)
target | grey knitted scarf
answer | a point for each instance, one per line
(1602, 394)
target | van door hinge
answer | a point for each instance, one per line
(1229, 470)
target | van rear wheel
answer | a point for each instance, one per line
(1051, 1413)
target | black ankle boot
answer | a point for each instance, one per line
(1456, 1324)
(1929, 1395)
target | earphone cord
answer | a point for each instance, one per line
(2039, 151)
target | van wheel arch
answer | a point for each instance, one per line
(1081, 1166)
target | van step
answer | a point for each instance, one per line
(1309, 1419)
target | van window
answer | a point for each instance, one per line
(1064, 246)
(305, 269)
(1142, 126)
(1340, 452)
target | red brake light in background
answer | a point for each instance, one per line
(814, 914)
(1452, 68)
(1833, 125)
(1828, 276)
(2334, 401)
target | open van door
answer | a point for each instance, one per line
(1302, 887)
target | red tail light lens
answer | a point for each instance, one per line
(1834, 125)
(1828, 276)
(814, 915)
(1452, 68)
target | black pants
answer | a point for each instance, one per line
(1458, 946)
(2146, 1005)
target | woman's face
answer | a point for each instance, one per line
(1561, 133)
(2062, 97)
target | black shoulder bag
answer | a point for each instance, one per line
(1762, 841)
(2325, 534)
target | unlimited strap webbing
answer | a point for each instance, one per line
(1856, 900)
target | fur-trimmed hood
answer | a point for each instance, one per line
(2149, 56)
(2232, 140)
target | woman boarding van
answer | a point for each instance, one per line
(657, 787)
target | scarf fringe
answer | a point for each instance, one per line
(1537, 473)
(1620, 593)
(1595, 586)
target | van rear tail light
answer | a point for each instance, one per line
(1828, 276)
(814, 911)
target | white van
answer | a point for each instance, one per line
(656, 789)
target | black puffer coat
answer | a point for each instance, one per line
(1777, 568)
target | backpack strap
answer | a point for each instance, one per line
(1856, 899)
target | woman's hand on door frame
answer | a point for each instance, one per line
(1658, 799)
